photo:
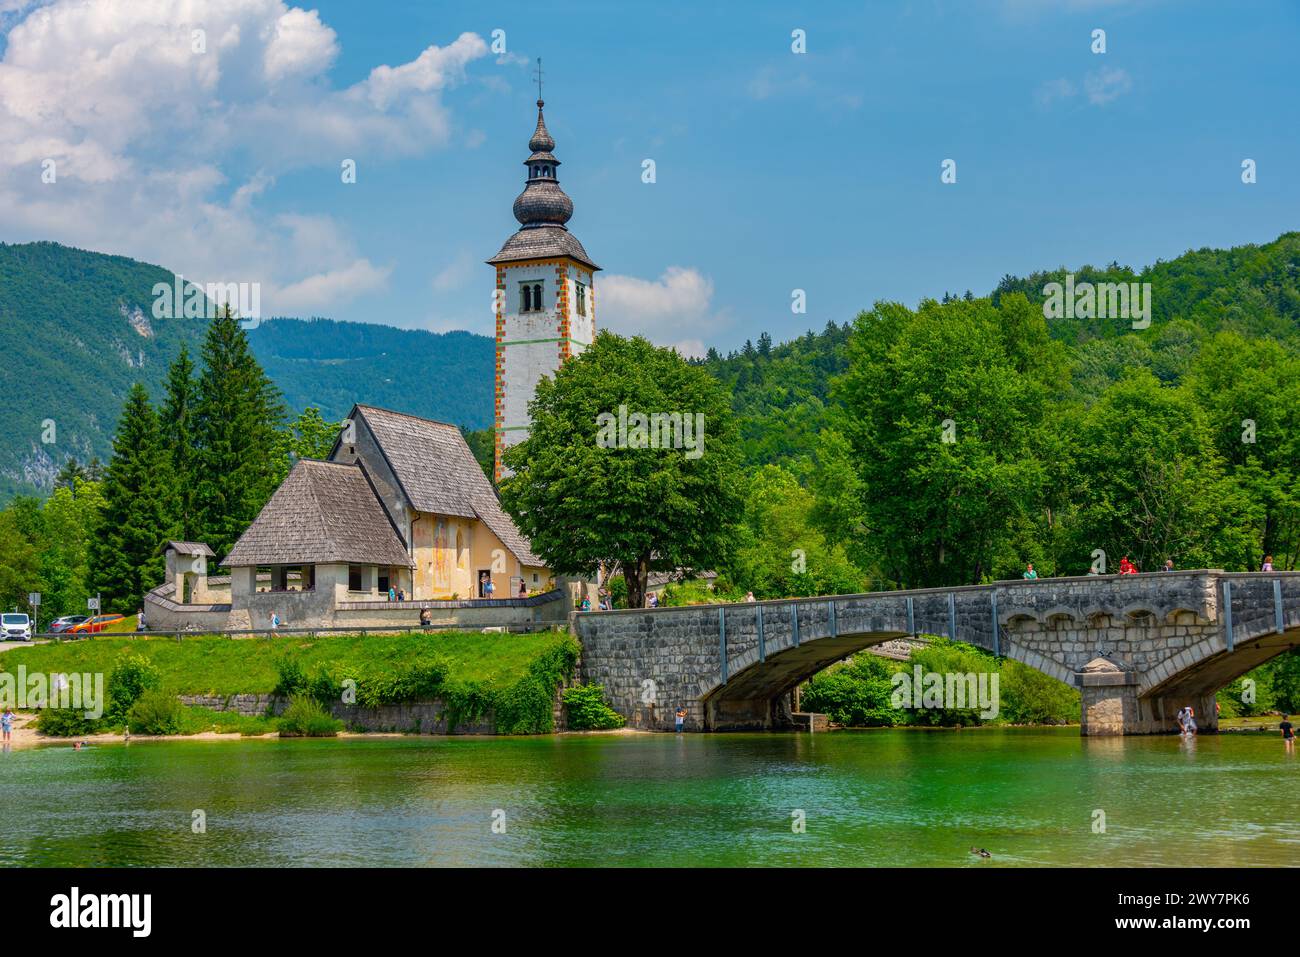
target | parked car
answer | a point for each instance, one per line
(66, 622)
(94, 625)
(16, 626)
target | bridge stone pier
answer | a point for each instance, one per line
(1138, 647)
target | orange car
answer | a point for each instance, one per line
(93, 625)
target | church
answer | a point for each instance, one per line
(401, 505)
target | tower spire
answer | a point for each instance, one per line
(538, 73)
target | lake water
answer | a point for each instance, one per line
(874, 798)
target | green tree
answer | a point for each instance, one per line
(71, 473)
(1250, 393)
(587, 498)
(20, 570)
(125, 557)
(944, 412)
(308, 437)
(236, 425)
(1149, 484)
(780, 553)
(177, 420)
(71, 517)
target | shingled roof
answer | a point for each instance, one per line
(542, 242)
(189, 548)
(439, 474)
(322, 512)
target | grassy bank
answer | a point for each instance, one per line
(513, 676)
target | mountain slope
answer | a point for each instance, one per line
(76, 330)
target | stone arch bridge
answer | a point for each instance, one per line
(1138, 647)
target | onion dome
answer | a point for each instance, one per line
(542, 203)
(542, 208)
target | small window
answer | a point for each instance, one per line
(354, 578)
(525, 298)
(537, 297)
(581, 297)
(534, 578)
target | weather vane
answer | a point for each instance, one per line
(539, 78)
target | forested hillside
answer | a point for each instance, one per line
(77, 329)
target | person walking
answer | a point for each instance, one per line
(7, 724)
(523, 589)
(680, 719)
(275, 621)
(1288, 734)
(1029, 573)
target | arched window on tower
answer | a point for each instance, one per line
(537, 297)
(525, 297)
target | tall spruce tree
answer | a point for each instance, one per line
(237, 421)
(177, 429)
(125, 557)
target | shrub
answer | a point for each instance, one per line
(306, 716)
(65, 722)
(1031, 697)
(588, 710)
(528, 705)
(857, 695)
(131, 678)
(290, 677)
(156, 712)
(422, 679)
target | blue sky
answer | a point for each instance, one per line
(775, 170)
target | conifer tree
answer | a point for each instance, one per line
(176, 422)
(237, 421)
(125, 556)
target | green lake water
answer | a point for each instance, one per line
(873, 798)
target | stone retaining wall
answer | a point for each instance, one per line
(415, 717)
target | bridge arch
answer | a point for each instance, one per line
(1170, 636)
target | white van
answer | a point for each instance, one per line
(15, 627)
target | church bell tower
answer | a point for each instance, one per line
(545, 300)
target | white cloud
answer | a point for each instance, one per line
(1101, 86)
(314, 294)
(431, 70)
(299, 45)
(150, 139)
(668, 311)
(1053, 90)
(1107, 84)
(455, 274)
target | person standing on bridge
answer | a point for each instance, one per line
(1029, 574)
(1169, 565)
(1126, 567)
(1288, 734)
(749, 596)
(1268, 564)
